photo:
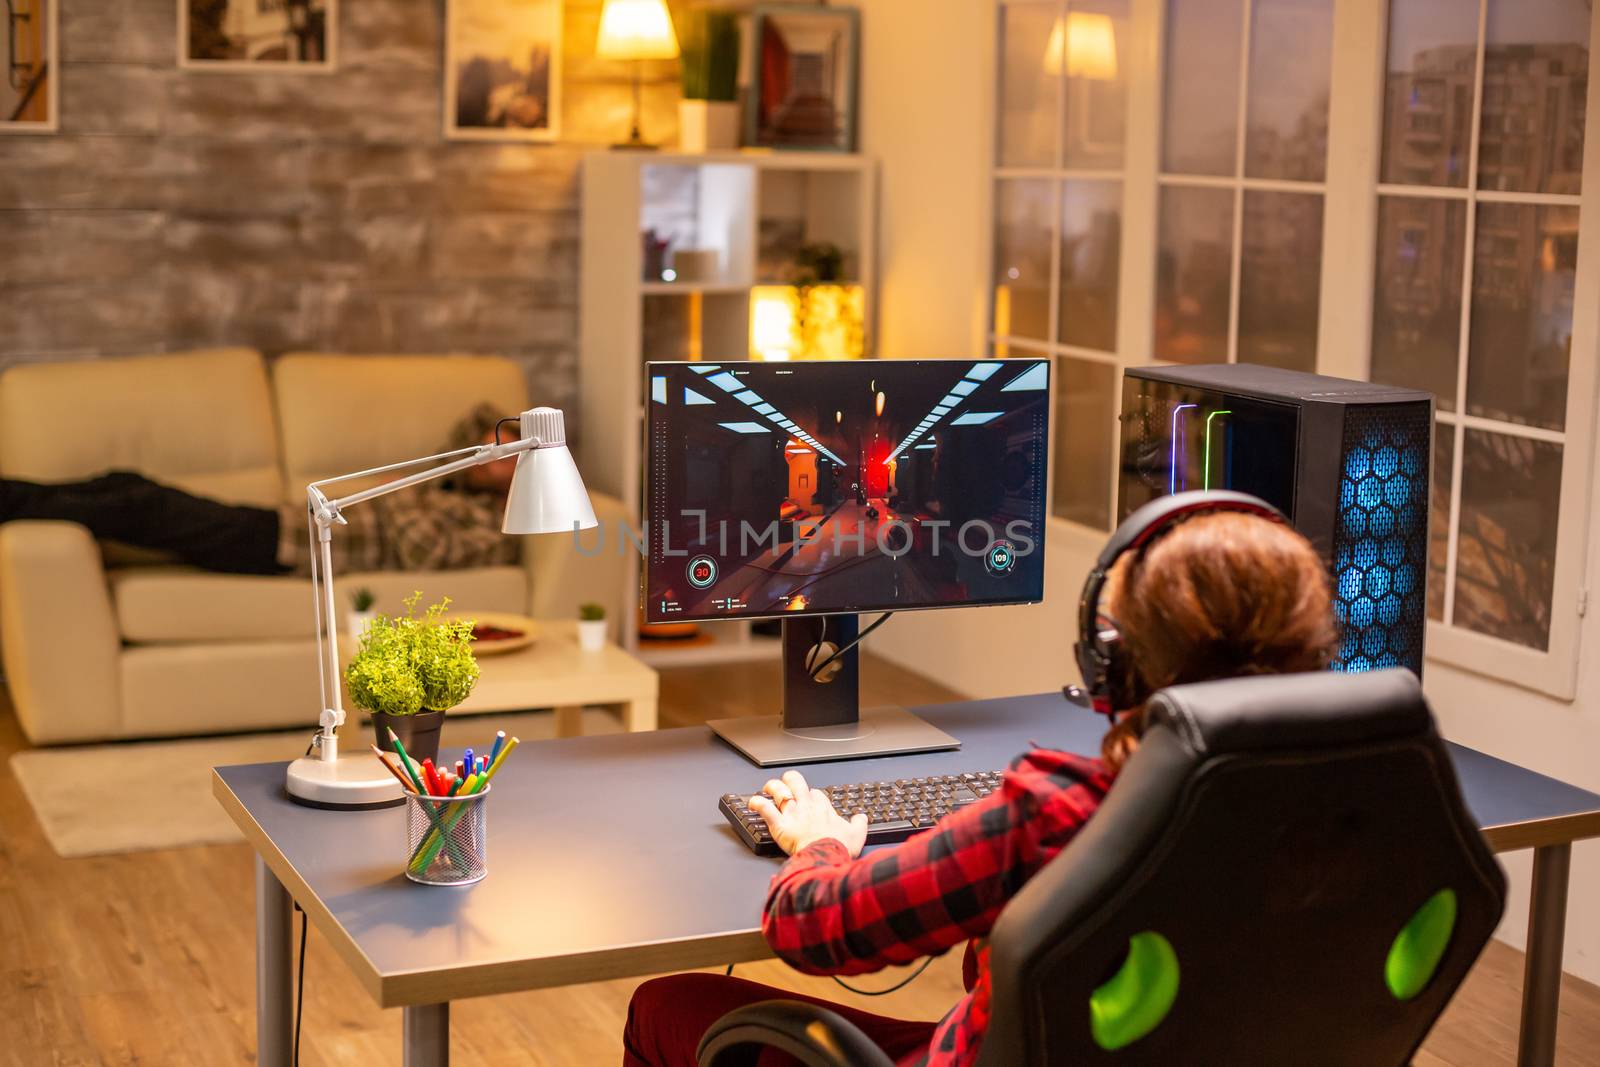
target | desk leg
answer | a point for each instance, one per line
(426, 1038)
(274, 969)
(1541, 976)
(639, 714)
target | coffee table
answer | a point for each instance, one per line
(555, 673)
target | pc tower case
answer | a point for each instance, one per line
(1348, 462)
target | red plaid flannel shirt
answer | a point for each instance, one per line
(829, 914)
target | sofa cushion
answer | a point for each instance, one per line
(167, 605)
(338, 413)
(199, 420)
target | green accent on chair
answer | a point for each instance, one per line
(1420, 945)
(1135, 999)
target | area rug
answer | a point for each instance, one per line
(96, 800)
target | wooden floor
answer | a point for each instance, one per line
(148, 958)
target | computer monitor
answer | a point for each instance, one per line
(811, 491)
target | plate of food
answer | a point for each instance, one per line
(494, 632)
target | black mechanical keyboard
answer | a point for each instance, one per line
(896, 809)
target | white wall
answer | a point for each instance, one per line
(927, 99)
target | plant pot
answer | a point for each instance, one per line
(707, 125)
(591, 634)
(419, 733)
(356, 623)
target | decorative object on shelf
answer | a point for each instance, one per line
(28, 96)
(694, 265)
(804, 62)
(502, 70)
(546, 496)
(409, 671)
(635, 30)
(290, 35)
(361, 613)
(591, 627)
(816, 316)
(708, 114)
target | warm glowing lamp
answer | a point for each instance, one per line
(1090, 47)
(636, 30)
(773, 311)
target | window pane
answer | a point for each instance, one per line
(1444, 451)
(1427, 101)
(1200, 126)
(1023, 221)
(1535, 77)
(1280, 270)
(1030, 95)
(1194, 248)
(1096, 51)
(1416, 305)
(1091, 231)
(1523, 264)
(1505, 558)
(1291, 53)
(1084, 410)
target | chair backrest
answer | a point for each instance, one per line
(199, 420)
(343, 413)
(1283, 873)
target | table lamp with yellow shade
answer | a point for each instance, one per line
(823, 321)
(636, 30)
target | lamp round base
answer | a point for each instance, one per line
(347, 783)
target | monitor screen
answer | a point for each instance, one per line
(844, 486)
(1180, 437)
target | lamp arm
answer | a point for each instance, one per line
(324, 515)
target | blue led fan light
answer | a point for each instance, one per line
(1380, 555)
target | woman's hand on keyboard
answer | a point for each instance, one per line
(798, 815)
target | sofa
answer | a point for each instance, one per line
(102, 642)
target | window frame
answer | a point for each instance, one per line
(1351, 191)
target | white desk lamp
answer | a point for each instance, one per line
(546, 496)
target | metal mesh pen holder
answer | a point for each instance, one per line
(447, 839)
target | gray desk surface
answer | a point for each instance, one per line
(608, 858)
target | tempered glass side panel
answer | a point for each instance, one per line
(1177, 438)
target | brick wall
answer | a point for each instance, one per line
(178, 209)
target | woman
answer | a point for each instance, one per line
(1217, 594)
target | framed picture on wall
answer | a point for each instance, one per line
(502, 70)
(298, 36)
(28, 96)
(803, 67)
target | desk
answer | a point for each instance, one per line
(563, 904)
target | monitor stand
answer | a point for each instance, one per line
(822, 719)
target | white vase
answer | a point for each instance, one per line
(707, 125)
(356, 623)
(591, 634)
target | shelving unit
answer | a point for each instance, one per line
(754, 210)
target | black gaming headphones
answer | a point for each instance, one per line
(1107, 677)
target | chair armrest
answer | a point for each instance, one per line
(565, 570)
(58, 635)
(813, 1035)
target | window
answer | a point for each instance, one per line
(1477, 261)
(1059, 157)
(1219, 199)
(1244, 144)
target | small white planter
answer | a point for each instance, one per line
(356, 622)
(707, 125)
(591, 634)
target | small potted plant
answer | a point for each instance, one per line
(409, 671)
(591, 627)
(361, 613)
(708, 114)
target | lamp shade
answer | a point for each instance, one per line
(636, 29)
(547, 493)
(1089, 42)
